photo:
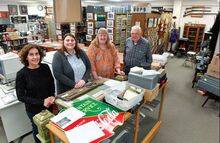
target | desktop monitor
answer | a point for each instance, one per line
(9, 66)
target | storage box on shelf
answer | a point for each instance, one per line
(213, 68)
(150, 95)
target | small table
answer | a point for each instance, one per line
(54, 131)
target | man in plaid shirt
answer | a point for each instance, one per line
(136, 51)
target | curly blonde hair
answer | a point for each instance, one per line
(25, 50)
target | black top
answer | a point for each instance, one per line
(64, 73)
(33, 86)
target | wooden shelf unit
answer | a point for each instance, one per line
(149, 23)
(122, 28)
(16, 44)
(94, 22)
(143, 19)
(194, 32)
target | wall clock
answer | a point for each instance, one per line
(40, 7)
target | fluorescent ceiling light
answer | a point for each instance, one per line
(92, 1)
(27, 1)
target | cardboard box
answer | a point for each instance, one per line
(150, 95)
(155, 65)
(216, 60)
(214, 71)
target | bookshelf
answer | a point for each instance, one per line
(16, 44)
(62, 29)
(78, 29)
(194, 32)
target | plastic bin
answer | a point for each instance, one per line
(111, 97)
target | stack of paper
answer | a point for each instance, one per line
(85, 133)
(67, 117)
(89, 121)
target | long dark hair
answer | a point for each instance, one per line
(77, 49)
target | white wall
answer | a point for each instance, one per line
(208, 20)
(32, 9)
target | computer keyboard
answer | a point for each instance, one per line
(6, 88)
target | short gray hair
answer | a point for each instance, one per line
(136, 28)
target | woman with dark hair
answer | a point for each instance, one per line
(34, 83)
(71, 66)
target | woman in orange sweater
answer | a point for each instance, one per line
(103, 56)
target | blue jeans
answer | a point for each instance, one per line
(34, 127)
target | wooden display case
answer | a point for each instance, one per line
(146, 21)
(149, 23)
(194, 32)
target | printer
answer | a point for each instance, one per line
(9, 66)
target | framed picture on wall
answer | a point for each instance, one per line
(110, 30)
(90, 31)
(49, 10)
(88, 37)
(155, 22)
(23, 9)
(150, 22)
(89, 15)
(110, 15)
(90, 25)
(110, 23)
(111, 37)
(13, 9)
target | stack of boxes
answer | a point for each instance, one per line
(214, 66)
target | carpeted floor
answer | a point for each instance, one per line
(183, 118)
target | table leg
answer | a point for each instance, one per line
(51, 137)
(136, 125)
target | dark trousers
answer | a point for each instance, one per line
(34, 127)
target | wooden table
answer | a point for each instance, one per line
(157, 126)
(54, 131)
(50, 46)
